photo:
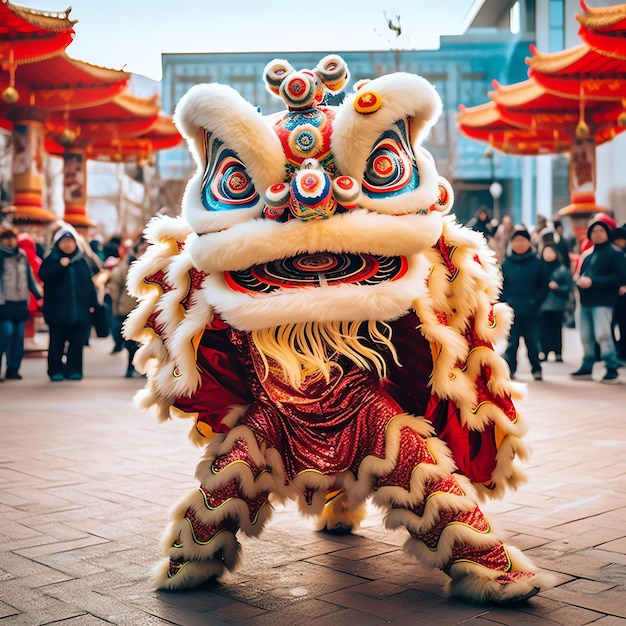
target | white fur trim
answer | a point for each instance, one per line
(451, 535)
(220, 110)
(403, 95)
(384, 302)
(477, 583)
(264, 240)
(191, 575)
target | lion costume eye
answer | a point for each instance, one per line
(391, 168)
(226, 184)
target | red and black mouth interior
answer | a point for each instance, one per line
(319, 269)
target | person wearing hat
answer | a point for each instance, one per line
(619, 313)
(17, 283)
(601, 272)
(524, 288)
(560, 287)
(69, 298)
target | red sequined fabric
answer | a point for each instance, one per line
(494, 558)
(213, 500)
(239, 453)
(413, 451)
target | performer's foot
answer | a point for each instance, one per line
(506, 588)
(478, 583)
(172, 575)
(337, 518)
(338, 529)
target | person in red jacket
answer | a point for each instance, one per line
(601, 272)
(27, 244)
(17, 283)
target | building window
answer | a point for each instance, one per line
(557, 26)
(514, 19)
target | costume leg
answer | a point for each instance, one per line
(415, 483)
(233, 495)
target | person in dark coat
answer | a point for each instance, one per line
(69, 298)
(524, 288)
(17, 283)
(619, 314)
(602, 271)
(560, 287)
(481, 222)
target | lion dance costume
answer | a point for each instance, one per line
(329, 328)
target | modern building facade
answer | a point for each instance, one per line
(462, 70)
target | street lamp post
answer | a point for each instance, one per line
(495, 189)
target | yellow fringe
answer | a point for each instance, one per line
(308, 349)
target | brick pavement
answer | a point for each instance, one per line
(86, 483)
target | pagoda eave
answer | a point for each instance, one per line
(613, 88)
(31, 51)
(62, 83)
(519, 94)
(582, 208)
(607, 45)
(529, 147)
(31, 35)
(29, 214)
(481, 115)
(81, 98)
(602, 18)
(78, 217)
(552, 62)
(603, 29)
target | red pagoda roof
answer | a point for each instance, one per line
(28, 35)
(525, 118)
(123, 116)
(60, 83)
(573, 93)
(488, 123)
(161, 136)
(579, 72)
(603, 29)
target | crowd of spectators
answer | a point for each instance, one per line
(59, 282)
(551, 281)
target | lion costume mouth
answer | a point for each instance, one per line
(322, 269)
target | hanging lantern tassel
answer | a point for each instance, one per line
(582, 129)
(10, 93)
(68, 136)
(621, 118)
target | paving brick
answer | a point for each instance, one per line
(86, 493)
(573, 616)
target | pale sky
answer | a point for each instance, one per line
(132, 34)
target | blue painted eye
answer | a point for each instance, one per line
(233, 182)
(391, 168)
(385, 168)
(226, 184)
